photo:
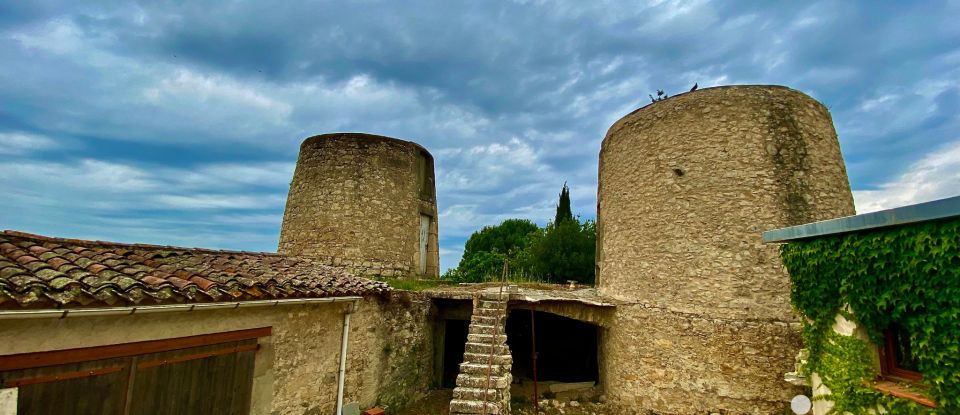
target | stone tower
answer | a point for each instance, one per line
(686, 186)
(364, 202)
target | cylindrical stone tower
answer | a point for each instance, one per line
(686, 187)
(363, 202)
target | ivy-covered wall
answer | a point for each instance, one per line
(908, 275)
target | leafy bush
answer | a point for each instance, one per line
(564, 250)
(510, 236)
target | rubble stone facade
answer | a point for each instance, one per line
(295, 371)
(686, 187)
(363, 202)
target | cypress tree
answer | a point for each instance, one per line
(563, 208)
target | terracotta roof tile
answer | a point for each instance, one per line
(38, 250)
(24, 259)
(42, 271)
(57, 262)
(95, 267)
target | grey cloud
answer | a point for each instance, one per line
(245, 82)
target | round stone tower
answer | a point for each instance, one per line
(686, 187)
(363, 202)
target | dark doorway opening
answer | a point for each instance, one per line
(454, 342)
(450, 330)
(567, 349)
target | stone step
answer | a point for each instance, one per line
(495, 296)
(490, 312)
(473, 381)
(478, 394)
(481, 348)
(480, 369)
(477, 328)
(458, 406)
(492, 304)
(498, 338)
(499, 359)
(488, 320)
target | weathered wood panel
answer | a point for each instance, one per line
(212, 379)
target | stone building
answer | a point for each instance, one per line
(906, 361)
(92, 327)
(690, 314)
(686, 186)
(366, 203)
(691, 310)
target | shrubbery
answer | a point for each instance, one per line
(563, 250)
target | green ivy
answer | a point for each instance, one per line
(909, 275)
(845, 367)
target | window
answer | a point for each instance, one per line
(898, 368)
(425, 186)
(896, 356)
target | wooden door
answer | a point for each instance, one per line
(85, 388)
(215, 377)
(424, 238)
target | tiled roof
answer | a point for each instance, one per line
(42, 271)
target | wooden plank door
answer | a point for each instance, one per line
(206, 374)
(85, 388)
(424, 238)
(216, 380)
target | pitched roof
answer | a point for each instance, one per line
(43, 271)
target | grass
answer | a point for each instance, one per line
(411, 284)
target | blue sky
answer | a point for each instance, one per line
(179, 122)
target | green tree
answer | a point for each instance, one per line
(486, 249)
(564, 251)
(563, 207)
(509, 236)
(478, 267)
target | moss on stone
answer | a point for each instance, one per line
(789, 154)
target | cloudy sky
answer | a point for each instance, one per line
(179, 122)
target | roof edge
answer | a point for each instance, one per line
(920, 212)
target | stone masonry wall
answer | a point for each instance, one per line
(676, 363)
(389, 355)
(397, 351)
(355, 202)
(686, 187)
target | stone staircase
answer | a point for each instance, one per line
(474, 391)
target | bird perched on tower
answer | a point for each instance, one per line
(694, 87)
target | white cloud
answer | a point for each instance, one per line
(109, 186)
(490, 166)
(59, 36)
(19, 143)
(220, 175)
(936, 176)
(215, 201)
(509, 114)
(216, 90)
(91, 177)
(262, 219)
